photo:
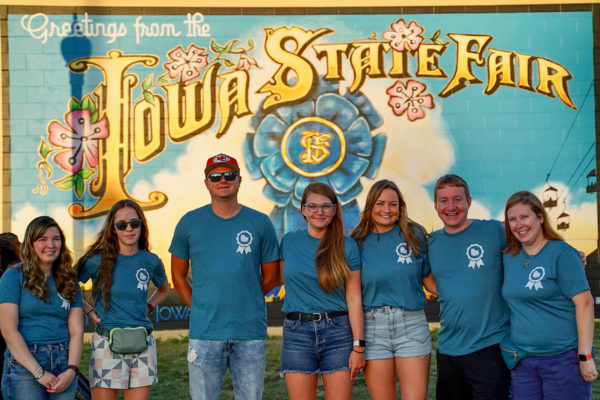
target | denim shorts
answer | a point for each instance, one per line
(554, 377)
(394, 332)
(19, 384)
(316, 347)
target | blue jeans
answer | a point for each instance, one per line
(209, 359)
(19, 384)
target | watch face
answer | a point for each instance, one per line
(584, 357)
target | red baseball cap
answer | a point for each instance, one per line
(221, 160)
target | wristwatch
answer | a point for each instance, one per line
(585, 357)
(359, 343)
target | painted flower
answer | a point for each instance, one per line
(186, 64)
(245, 62)
(327, 138)
(81, 137)
(402, 36)
(409, 99)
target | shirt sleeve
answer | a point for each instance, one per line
(78, 302)
(282, 247)
(269, 248)
(352, 255)
(425, 267)
(10, 286)
(179, 244)
(159, 276)
(91, 266)
(570, 274)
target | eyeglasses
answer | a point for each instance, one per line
(216, 176)
(134, 223)
(326, 208)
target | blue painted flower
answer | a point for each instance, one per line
(326, 138)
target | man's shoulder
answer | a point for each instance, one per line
(251, 212)
(199, 212)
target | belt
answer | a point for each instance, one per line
(102, 331)
(315, 316)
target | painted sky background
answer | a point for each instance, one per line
(501, 143)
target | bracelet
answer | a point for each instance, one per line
(359, 352)
(74, 368)
(93, 309)
(39, 373)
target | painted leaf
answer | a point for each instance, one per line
(94, 117)
(91, 104)
(228, 63)
(148, 97)
(436, 35)
(79, 187)
(147, 82)
(85, 172)
(67, 182)
(215, 47)
(74, 104)
(250, 44)
(162, 79)
(229, 45)
(47, 168)
(43, 149)
(85, 103)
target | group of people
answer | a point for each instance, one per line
(353, 303)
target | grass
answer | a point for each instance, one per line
(173, 376)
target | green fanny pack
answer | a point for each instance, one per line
(128, 340)
(511, 354)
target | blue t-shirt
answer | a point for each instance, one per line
(467, 267)
(391, 275)
(302, 290)
(127, 306)
(226, 255)
(542, 315)
(39, 321)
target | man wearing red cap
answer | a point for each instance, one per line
(234, 256)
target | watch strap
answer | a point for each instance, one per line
(359, 343)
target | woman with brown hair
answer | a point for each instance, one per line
(121, 268)
(393, 253)
(551, 307)
(323, 327)
(40, 318)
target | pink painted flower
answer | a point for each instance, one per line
(81, 138)
(409, 99)
(186, 64)
(401, 36)
(245, 62)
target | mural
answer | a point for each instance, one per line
(104, 107)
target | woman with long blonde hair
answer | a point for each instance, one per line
(121, 268)
(40, 318)
(393, 252)
(323, 327)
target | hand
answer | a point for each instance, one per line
(62, 381)
(587, 369)
(356, 362)
(47, 380)
(93, 316)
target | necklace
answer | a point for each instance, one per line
(528, 258)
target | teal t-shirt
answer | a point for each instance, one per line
(225, 256)
(302, 290)
(542, 315)
(467, 267)
(39, 321)
(127, 306)
(391, 274)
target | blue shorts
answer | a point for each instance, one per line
(394, 332)
(554, 377)
(316, 347)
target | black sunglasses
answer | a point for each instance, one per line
(134, 223)
(216, 176)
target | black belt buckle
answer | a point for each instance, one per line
(317, 316)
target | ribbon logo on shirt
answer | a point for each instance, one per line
(475, 254)
(535, 277)
(244, 240)
(143, 278)
(404, 252)
(65, 303)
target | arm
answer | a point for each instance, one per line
(90, 311)
(9, 323)
(355, 314)
(75, 325)
(584, 315)
(179, 271)
(159, 295)
(271, 276)
(429, 283)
